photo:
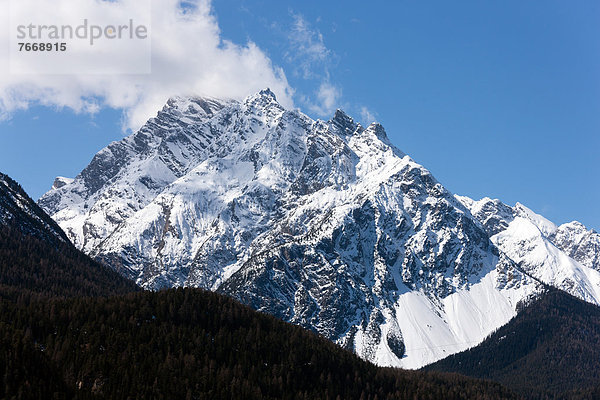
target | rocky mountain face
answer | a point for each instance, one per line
(322, 223)
(578, 243)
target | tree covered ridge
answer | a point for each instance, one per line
(37, 258)
(193, 344)
(30, 266)
(18, 210)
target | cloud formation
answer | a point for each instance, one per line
(328, 97)
(307, 49)
(188, 57)
(313, 60)
(367, 116)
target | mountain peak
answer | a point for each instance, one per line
(268, 93)
(193, 106)
(343, 122)
(579, 243)
(264, 98)
(379, 131)
(575, 225)
(61, 181)
(544, 225)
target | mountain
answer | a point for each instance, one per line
(550, 349)
(324, 224)
(565, 257)
(37, 258)
(63, 336)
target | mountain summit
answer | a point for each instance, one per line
(321, 223)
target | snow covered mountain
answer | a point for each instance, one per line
(565, 257)
(322, 223)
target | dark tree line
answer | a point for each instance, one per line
(192, 344)
(30, 267)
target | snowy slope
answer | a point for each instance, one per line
(322, 223)
(461, 320)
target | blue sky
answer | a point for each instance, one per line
(497, 99)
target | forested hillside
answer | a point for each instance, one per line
(30, 266)
(37, 258)
(188, 343)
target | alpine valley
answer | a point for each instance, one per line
(324, 224)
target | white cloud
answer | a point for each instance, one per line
(328, 97)
(308, 50)
(367, 116)
(188, 57)
(312, 61)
